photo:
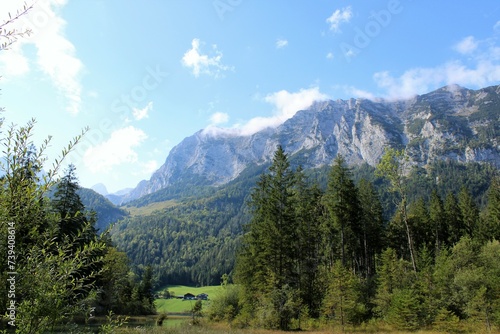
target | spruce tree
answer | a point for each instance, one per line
(468, 211)
(268, 260)
(454, 219)
(489, 228)
(372, 225)
(308, 214)
(437, 218)
(342, 223)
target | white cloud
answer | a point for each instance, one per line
(422, 80)
(479, 68)
(281, 43)
(203, 63)
(55, 54)
(118, 149)
(146, 168)
(329, 55)
(142, 113)
(355, 92)
(219, 118)
(339, 17)
(13, 62)
(496, 27)
(467, 45)
(286, 104)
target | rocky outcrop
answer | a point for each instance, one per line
(449, 123)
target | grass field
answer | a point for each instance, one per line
(150, 208)
(183, 306)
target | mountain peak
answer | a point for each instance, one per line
(100, 188)
(431, 126)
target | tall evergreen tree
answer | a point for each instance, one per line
(342, 220)
(420, 225)
(372, 226)
(308, 214)
(490, 220)
(454, 219)
(468, 211)
(437, 218)
(74, 223)
(267, 262)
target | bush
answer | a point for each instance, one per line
(226, 305)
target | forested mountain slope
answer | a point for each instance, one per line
(107, 212)
(195, 241)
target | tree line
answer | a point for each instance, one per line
(329, 254)
(56, 268)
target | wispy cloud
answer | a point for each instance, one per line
(146, 168)
(55, 56)
(496, 27)
(281, 43)
(285, 104)
(118, 149)
(339, 17)
(219, 118)
(479, 67)
(329, 55)
(467, 45)
(203, 63)
(142, 113)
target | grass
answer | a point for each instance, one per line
(186, 328)
(150, 208)
(183, 306)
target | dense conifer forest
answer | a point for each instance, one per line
(312, 253)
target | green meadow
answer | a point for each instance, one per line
(174, 305)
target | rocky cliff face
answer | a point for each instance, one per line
(449, 123)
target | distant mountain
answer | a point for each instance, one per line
(100, 189)
(451, 123)
(117, 197)
(123, 191)
(107, 212)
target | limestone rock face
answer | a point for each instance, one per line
(450, 123)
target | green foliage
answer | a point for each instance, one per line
(342, 301)
(341, 224)
(113, 322)
(57, 268)
(403, 310)
(106, 212)
(226, 305)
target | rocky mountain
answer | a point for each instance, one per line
(451, 123)
(100, 188)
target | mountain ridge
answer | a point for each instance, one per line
(450, 123)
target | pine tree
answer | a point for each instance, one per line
(419, 220)
(342, 223)
(69, 206)
(342, 302)
(454, 219)
(438, 221)
(469, 212)
(268, 259)
(309, 214)
(372, 226)
(489, 228)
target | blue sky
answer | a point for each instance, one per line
(143, 75)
